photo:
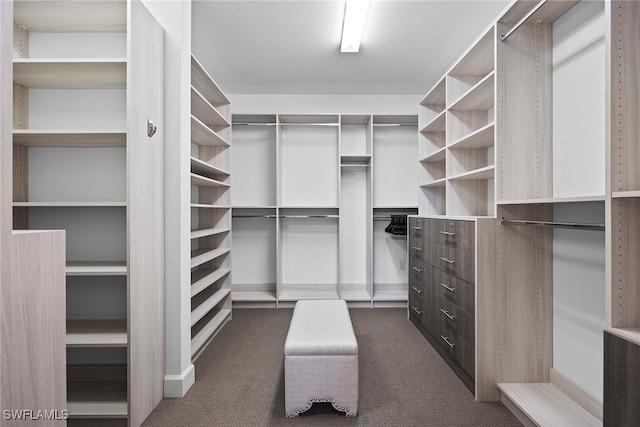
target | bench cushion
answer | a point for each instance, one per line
(320, 327)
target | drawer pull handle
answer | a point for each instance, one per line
(449, 288)
(448, 233)
(416, 289)
(417, 248)
(446, 313)
(450, 261)
(416, 310)
(417, 269)
(446, 339)
(416, 228)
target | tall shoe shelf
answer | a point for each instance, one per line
(211, 208)
(84, 162)
(318, 189)
(525, 133)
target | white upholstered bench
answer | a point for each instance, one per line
(321, 358)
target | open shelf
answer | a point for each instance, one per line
(253, 296)
(546, 405)
(438, 124)
(70, 73)
(96, 269)
(552, 200)
(203, 168)
(437, 183)
(205, 206)
(479, 97)
(202, 181)
(97, 391)
(203, 82)
(436, 156)
(435, 99)
(390, 295)
(297, 294)
(69, 138)
(206, 112)
(200, 256)
(364, 160)
(204, 136)
(476, 174)
(196, 234)
(202, 279)
(481, 138)
(205, 333)
(68, 204)
(54, 16)
(355, 295)
(199, 312)
(625, 194)
(96, 333)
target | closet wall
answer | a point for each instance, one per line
(534, 121)
(318, 189)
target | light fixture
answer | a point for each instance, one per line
(355, 16)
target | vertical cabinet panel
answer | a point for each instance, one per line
(145, 219)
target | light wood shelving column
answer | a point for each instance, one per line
(88, 158)
(211, 208)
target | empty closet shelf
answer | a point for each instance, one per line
(203, 278)
(97, 391)
(205, 112)
(196, 234)
(200, 256)
(69, 138)
(203, 168)
(200, 311)
(117, 409)
(96, 269)
(486, 172)
(202, 135)
(203, 335)
(69, 204)
(96, 333)
(70, 73)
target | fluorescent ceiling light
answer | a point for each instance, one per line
(355, 16)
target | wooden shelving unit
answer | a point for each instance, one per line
(211, 212)
(127, 208)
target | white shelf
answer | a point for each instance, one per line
(546, 405)
(481, 138)
(202, 181)
(196, 234)
(207, 113)
(200, 256)
(85, 16)
(438, 124)
(363, 160)
(295, 295)
(355, 295)
(199, 312)
(624, 194)
(203, 82)
(246, 296)
(69, 138)
(390, 295)
(105, 409)
(479, 97)
(437, 156)
(203, 168)
(476, 174)
(70, 73)
(205, 206)
(552, 200)
(205, 333)
(204, 136)
(437, 183)
(436, 96)
(69, 204)
(96, 333)
(202, 279)
(96, 269)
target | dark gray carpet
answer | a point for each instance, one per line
(403, 381)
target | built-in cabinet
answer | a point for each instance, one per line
(88, 84)
(313, 195)
(528, 136)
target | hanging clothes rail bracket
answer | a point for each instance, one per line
(553, 224)
(522, 20)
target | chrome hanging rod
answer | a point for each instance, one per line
(522, 20)
(552, 224)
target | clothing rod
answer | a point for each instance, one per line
(523, 20)
(552, 224)
(253, 124)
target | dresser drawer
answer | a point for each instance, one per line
(416, 228)
(456, 233)
(453, 261)
(458, 321)
(456, 290)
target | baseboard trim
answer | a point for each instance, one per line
(177, 385)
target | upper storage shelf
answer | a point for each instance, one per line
(84, 16)
(70, 73)
(204, 84)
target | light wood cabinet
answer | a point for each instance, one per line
(320, 190)
(88, 158)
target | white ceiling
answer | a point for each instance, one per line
(293, 47)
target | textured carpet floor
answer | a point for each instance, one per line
(403, 381)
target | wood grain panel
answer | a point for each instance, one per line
(523, 114)
(625, 104)
(33, 323)
(525, 296)
(145, 222)
(621, 381)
